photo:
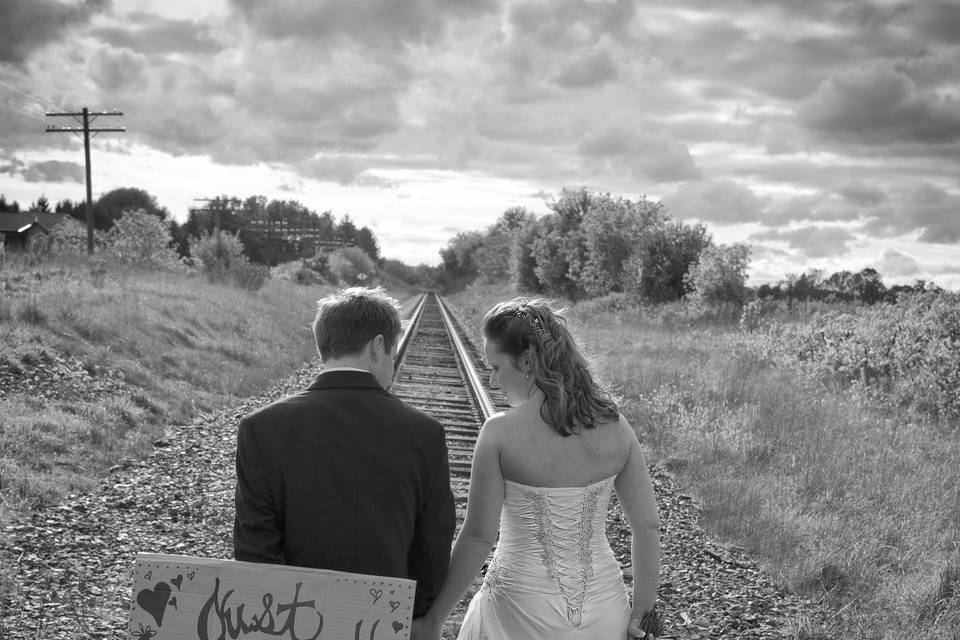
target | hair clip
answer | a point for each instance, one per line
(535, 322)
(538, 326)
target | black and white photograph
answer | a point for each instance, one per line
(479, 319)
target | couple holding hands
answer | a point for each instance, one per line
(344, 476)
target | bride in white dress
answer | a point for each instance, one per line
(542, 477)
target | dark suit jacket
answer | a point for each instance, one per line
(344, 476)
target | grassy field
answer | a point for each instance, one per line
(844, 501)
(130, 352)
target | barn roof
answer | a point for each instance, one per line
(21, 221)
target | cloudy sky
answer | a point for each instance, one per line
(825, 133)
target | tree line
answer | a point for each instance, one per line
(864, 286)
(594, 244)
(268, 230)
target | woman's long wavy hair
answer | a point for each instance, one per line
(573, 399)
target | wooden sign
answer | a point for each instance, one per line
(185, 598)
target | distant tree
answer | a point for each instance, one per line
(801, 287)
(365, 240)
(840, 285)
(611, 230)
(768, 291)
(421, 276)
(869, 286)
(42, 205)
(656, 270)
(492, 258)
(523, 263)
(113, 204)
(718, 278)
(346, 230)
(10, 206)
(458, 267)
(64, 206)
(551, 265)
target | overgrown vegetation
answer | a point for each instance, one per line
(107, 355)
(847, 498)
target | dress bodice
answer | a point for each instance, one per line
(559, 532)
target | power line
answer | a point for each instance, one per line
(231, 203)
(85, 118)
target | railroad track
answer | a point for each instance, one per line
(441, 372)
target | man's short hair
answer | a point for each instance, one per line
(350, 318)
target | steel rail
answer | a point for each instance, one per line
(477, 388)
(437, 372)
(409, 331)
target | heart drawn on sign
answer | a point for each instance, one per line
(376, 594)
(177, 581)
(394, 605)
(154, 601)
(397, 626)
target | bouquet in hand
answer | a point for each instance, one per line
(652, 625)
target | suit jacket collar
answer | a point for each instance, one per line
(341, 379)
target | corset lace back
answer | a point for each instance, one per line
(562, 530)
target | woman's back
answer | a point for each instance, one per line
(538, 456)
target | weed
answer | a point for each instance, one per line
(31, 312)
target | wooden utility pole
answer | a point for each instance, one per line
(85, 118)
(220, 205)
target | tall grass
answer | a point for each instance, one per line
(132, 352)
(845, 501)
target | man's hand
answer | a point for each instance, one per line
(423, 629)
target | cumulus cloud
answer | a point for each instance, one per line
(341, 169)
(925, 208)
(723, 201)
(938, 22)
(54, 171)
(813, 241)
(43, 171)
(149, 34)
(897, 264)
(590, 70)
(560, 24)
(377, 24)
(28, 26)
(861, 193)
(877, 105)
(118, 70)
(646, 156)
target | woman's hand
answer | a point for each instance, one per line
(636, 631)
(647, 625)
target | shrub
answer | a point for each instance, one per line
(222, 259)
(141, 238)
(906, 353)
(351, 266)
(69, 238)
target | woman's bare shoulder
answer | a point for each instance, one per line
(497, 425)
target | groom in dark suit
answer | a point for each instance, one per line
(343, 475)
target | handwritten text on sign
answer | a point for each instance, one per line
(181, 598)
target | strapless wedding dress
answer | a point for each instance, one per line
(553, 574)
